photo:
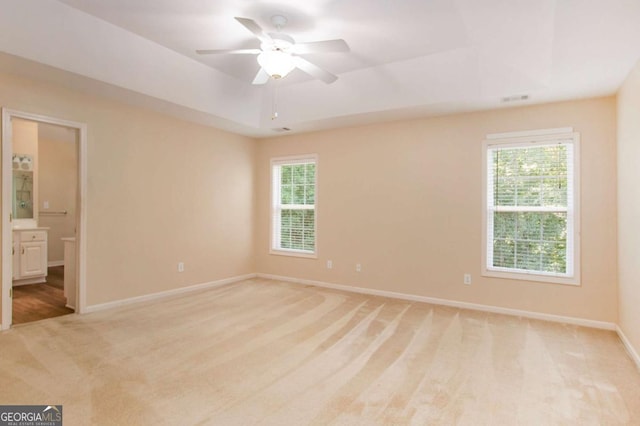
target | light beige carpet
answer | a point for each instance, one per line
(266, 352)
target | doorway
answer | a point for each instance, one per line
(44, 217)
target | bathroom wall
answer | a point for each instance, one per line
(58, 171)
(54, 153)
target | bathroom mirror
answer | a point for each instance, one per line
(22, 194)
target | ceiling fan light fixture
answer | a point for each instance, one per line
(276, 63)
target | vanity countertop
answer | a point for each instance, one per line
(31, 228)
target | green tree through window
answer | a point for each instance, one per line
(294, 205)
(529, 207)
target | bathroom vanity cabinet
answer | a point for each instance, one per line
(29, 256)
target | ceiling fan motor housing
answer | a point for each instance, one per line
(279, 21)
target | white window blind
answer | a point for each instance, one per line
(293, 215)
(531, 206)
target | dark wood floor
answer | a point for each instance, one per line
(39, 301)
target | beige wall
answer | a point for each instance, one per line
(629, 207)
(160, 191)
(404, 200)
(25, 137)
(58, 171)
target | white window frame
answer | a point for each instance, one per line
(276, 208)
(518, 139)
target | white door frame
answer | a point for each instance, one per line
(7, 235)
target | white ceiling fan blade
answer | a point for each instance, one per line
(324, 46)
(314, 70)
(262, 77)
(252, 26)
(229, 51)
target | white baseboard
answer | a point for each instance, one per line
(29, 281)
(629, 347)
(453, 303)
(165, 294)
(55, 263)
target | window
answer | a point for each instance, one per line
(293, 213)
(531, 208)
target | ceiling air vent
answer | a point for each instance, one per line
(515, 98)
(281, 129)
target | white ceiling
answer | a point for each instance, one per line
(408, 57)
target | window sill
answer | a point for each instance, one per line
(523, 276)
(293, 253)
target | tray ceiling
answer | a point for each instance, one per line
(409, 58)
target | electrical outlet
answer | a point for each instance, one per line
(329, 264)
(358, 267)
(45, 205)
(180, 266)
(467, 279)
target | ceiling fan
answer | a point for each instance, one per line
(279, 53)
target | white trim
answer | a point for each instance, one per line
(7, 231)
(453, 303)
(516, 139)
(628, 346)
(81, 238)
(55, 263)
(540, 209)
(294, 253)
(81, 225)
(29, 281)
(166, 294)
(523, 275)
(529, 133)
(288, 160)
(295, 159)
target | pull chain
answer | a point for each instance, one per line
(274, 105)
